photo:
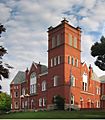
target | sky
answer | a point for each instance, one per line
(27, 22)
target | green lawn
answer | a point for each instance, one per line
(55, 114)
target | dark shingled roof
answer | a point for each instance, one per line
(19, 78)
(44, 68)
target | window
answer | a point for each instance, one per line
(44, 102)
(72, 61)
(23, 91)
(55, 61)
(54, 98)
(72, 80)
(32, 103)
(102, 89)
(16, 94)
(75, 42)
(56, 79)
(69, 60)
(98, 91)
(81, 99)
(44, 86)
(51, 62)
(26, 103)
(76, 62)
(85, 82)
(59, 59)
(70, 39)
(53, 42)
(22, 104)
(16, 105)
(40, 102)
(72, 100)
(98, 104)
(58, 40)
(33, 82)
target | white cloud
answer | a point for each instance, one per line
(27, 21)
(4, 13)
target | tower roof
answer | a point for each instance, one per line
(65, 21)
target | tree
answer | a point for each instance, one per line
(59, 102)
(98, 51)
(4, 72)
(5, 102)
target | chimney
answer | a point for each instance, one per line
(90, 72)
(26, 74)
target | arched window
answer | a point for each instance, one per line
(56, 80)
(16, 105)
(69, 59)
(23, 91)
(72, 80)
(70, 39)
(40, 102)
(72, 61)
(44, 86)
(72, 100)
(32, 101)
(33, 82)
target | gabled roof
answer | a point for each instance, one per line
(19, 78)
(43, 67)
(102, 79)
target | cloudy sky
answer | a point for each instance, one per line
(26, 23)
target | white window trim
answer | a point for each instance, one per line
(53, 42)
(55, 61)
(44, 102)
(76, 62)
(33, 82)
(51, 62)
(55, 80)
(44, 85)
(59, 59)
(75, 42)
(73, 100)
(69, 59)
(40, 102)
(97, 104)
(73, 80)
(70, 39)
(16, 105)
(58, 39)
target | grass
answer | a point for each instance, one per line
(55, 114)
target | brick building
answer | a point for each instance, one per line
(65, 75)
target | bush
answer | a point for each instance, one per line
(59, 102)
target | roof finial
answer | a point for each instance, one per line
(64, 20)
